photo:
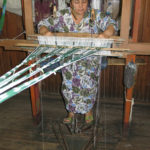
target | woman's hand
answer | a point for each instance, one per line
(108, 32)
(44, 31)
(48, 34)
(103, 35)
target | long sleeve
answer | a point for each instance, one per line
(51, 23)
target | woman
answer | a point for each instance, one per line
(80, 80)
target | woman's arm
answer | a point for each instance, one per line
(106, 24)
(48, 25)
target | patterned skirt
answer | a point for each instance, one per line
(80, 84)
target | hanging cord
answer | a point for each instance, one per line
(92, 19)
(97, 106)
(105, 124)
(24, 32)
(2, 19)
(42, 117)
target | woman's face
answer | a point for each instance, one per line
(79, 6)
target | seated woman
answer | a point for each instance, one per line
(80, 80)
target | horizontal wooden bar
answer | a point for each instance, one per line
(140, 48)
(121, 62)
(25, 45)
(11, 43)
(34, 36)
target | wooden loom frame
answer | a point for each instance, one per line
(138, 48)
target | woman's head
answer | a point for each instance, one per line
(79, 6)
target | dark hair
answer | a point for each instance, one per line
(89, 2)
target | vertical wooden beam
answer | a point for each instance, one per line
(135, 38)
(35, 89)
(35, 100)
(28, 17)
(125, 20)
(124, 33)
(128, 100)
(145, 36)
(136, 20)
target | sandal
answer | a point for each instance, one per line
(68, 120)
(89, 119)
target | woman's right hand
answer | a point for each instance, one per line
(44, 31)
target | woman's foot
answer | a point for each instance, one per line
(89, 117)
(69, 119)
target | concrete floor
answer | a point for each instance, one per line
(17, 131)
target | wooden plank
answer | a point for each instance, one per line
(125, 19)
(28, 17)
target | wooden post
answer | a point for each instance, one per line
(129, 92)
(124, 33)
(35, 89)
(128, 100)
(125, 20)
(35, 101)
(136, 20)
(28, 17)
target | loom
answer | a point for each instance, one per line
(63, 47)
(127, 48)
(13, 82)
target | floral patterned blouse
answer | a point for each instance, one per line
(80, 80)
